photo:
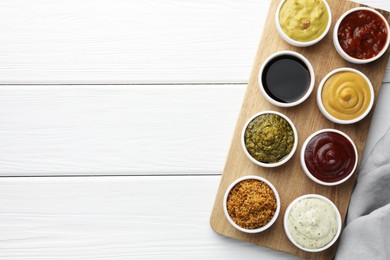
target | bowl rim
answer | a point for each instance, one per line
(335, 119)
(340, 50)
(296, 43)
(338, 217)
(287, 157)
(277, 211)
(298, 56)
(306, 170)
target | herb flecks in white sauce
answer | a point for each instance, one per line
(312, 223)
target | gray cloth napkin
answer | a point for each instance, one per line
(367, 231)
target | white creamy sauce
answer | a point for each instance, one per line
(312, 223)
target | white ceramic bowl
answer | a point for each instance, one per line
(269, 224)
(300, 43)
(283, 160)
(331, 117)
(310, 175)
(295, 55)
(343, 53)
(338, 219)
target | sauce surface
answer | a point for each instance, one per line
(329, 156)
(269, 138)
(286, 79)
(362, 34)
(251, 204)
(312, 223)
(346, 95)
(303, 20)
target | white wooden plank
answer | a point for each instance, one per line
(115, 130)
(382, 4)
(126, 130)
(138, 41)
(114, 218)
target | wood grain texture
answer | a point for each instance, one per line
(130, 42)
(76, 130)
(114, 218)
(290, 179)
(116, 130)
(97, 130)
(138, 41)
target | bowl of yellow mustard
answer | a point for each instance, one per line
(303, 23)
(345, 96)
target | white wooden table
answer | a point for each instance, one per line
(115, 122)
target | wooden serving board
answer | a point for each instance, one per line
(289, 179)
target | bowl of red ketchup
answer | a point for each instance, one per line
(329, 157)
(361, 35)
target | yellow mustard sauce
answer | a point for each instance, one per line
(346, 95)
(312, 223)
(303, 20)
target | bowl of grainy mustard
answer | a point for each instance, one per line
(251, 204)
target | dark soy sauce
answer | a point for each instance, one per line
(286, 78)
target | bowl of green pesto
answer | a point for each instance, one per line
(269, 139)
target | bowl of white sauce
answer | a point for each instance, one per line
(312, 223)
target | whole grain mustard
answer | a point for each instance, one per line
(251, 204)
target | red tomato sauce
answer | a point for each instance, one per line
(362, 34)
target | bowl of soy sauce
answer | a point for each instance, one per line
(286, 78)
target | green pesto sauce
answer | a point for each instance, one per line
(269, 138)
